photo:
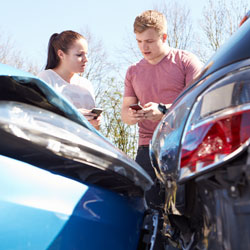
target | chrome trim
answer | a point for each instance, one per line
(221, 114)
(155, 225)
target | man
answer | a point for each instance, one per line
(154, 82)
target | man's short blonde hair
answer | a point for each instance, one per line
(150, 19)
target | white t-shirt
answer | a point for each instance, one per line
(79, 92)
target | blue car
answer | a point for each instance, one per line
(62, 184)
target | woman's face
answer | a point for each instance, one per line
(75, 59)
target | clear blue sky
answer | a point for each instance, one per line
(30, 23)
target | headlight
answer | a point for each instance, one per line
(69, 140)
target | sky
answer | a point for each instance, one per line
(30, 23)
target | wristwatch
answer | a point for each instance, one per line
(162, 108)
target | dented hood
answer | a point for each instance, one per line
(49, 128)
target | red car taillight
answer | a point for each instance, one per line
(214, 140)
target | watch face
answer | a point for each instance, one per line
(162, 108)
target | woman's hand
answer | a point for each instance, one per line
(96, 122)
(91, 117)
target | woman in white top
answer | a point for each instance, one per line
(67, 57)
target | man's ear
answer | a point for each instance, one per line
(164, 37)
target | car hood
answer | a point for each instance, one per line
(39, 126)
(18, 85)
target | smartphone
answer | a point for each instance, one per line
(136, 106)
(97, 111)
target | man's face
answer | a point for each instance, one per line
(151, 45)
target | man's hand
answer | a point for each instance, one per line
(151, 111)
(129, 115)
(135, 115)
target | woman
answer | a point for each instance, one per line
(67, 57)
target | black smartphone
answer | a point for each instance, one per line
(97, 111)
(136, 106)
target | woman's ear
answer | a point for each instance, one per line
(60, 54)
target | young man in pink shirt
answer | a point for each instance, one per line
(157, 79)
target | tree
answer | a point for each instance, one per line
(179, 36)
(179, 29)
(219, 21)
(125, 137)
(98, 67)
(180, 26)
(108, 92)
(9, 55)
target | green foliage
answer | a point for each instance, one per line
(125, 137)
